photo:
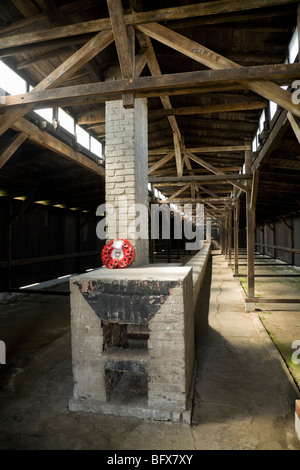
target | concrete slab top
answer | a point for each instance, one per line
(141, 273)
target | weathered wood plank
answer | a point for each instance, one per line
(26, 7)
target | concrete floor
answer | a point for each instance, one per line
(244, 394)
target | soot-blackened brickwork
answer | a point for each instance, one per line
(131, 302)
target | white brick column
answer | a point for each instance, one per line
(126, 175)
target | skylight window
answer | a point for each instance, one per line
(293, 47)
(273, 109)
(66, 121)
(262, 121)
(96, 147)
(46, 113)
(83, 137)
(10, 81)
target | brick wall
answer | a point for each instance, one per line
(126, 173)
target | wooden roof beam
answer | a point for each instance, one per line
(161, 162)
(156, 85)
(224, 178)
(13, 146)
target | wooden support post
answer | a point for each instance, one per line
(263, 239)
(226, 236)
(292, 241)
(151, 239)
(229, 235)
(274, 241)
(222, 242)
(236, 236)
(250, 229)
(9, 245)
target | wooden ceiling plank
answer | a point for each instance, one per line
(55, 14)
(211, 193)
(215, 61)
(26, 7)
(167, 14)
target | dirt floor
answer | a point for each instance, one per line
(244, 397)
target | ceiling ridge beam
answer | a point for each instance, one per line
(161, 15)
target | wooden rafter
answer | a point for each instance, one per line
(209, 58)
(50, 142)
(213, 169)
(15, 143)
(205, 178)
(161, 162)
(210, 149)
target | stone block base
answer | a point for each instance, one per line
(133, 348)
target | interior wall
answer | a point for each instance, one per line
(278, 238)
(45, 231)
